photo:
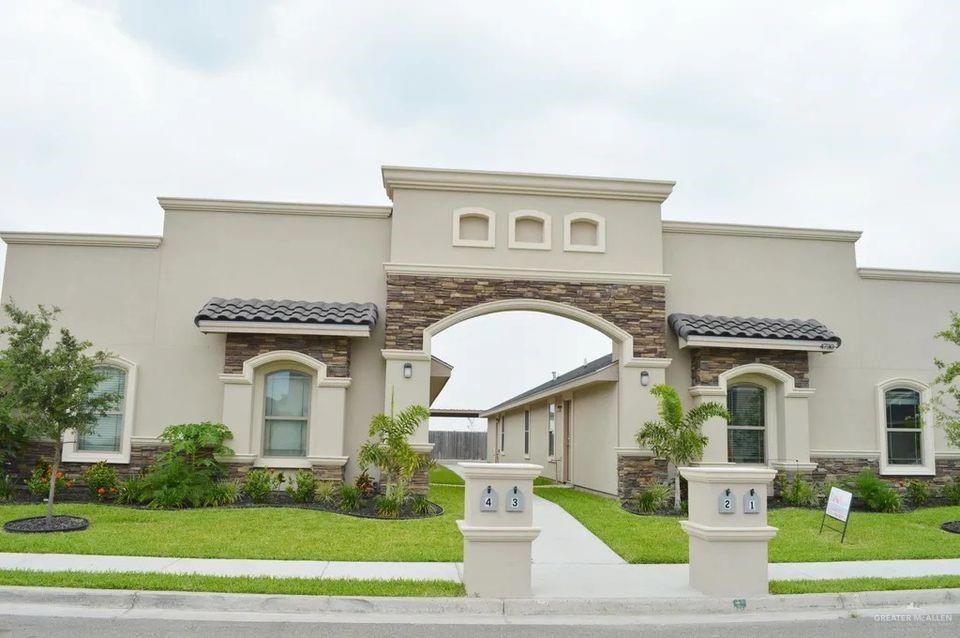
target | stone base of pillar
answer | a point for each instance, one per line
(420, 483)
(636, 472)
(329, 473)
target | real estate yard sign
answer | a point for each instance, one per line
(838, 509)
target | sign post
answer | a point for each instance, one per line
(498, 529)
(838, 509)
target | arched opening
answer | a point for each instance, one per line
(542, 386)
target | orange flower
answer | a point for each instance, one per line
(101, 491)
(113, 489)
(69, 483)
(59, 475)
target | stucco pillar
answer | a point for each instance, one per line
(497, 530)
(715, 428)
(636, 404)
(327, 425)
(727, 529)
(401, 391)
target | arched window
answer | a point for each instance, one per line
(107, 433)
(584, 232)
(286, 413)
(747, 426)
(904, 427)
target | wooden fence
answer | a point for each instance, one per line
(452, 444)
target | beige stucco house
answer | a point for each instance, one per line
(202, 326)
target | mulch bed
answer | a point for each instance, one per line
(39, 525)
(953, 527)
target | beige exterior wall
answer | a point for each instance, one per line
(139, 303)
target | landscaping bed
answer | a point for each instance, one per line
(249, 532)
(40, 524)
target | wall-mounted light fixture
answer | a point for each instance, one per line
(408, 370)
(644, 378)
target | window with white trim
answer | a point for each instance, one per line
(551, 428)
(746, 429)
(584, 232)
(107, 432)
(286, 413)
(904, 426)
(526, 432)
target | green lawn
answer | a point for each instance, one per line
(659, 539)
(281, 533)
(862, 584)
(444, 476)
(231, 584)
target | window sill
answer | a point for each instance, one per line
(907, 470)
(282, 462)
(111, 458)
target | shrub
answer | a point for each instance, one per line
(348, 496)
(188, 474)
(365, 484)
(918, 492)
(101, 480)
(874, 493)
(130, 491)
(951, 491)
(7, 487)
(419, 505)
(388, 506)
(258, 484)
(325, 492)
(800, 493)
(226, 492)
(389, 447)
(652, 499)
(39, 481)
(306, 487)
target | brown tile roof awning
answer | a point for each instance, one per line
(690, 327)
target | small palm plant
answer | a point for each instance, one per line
(678, 436)
(390, 450)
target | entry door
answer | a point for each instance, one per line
(567, 439)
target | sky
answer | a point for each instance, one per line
(825, 114)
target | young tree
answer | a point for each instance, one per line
(946, 400)
(677, 437)
(389, 448)
(47, 392)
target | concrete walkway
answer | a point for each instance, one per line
(550, 580)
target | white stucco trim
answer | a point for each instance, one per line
(696, 341)
(543, 218)
(282, 462)
(474, 211)
(188, 204)
(319, 367)
(70, 451)
(842, 454)
(646, 362)
(329, 461)
(601, 224)
(405, 355)
(82, 239)
(417, 178)
(772, 232)
(633, 451)
(531, 274)
(617, 334)
(928, 467)
(762, 369)
(273, 327)
(889, 274)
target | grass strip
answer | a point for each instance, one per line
(441, 475)
(863, 584)
(146, 581)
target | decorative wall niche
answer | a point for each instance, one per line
(475, 227)
(584, 232)
(530, 230)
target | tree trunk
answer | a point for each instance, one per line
(57, 452)
(676, 491)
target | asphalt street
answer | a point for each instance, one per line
(934, 625)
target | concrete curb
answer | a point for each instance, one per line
(477, 607)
